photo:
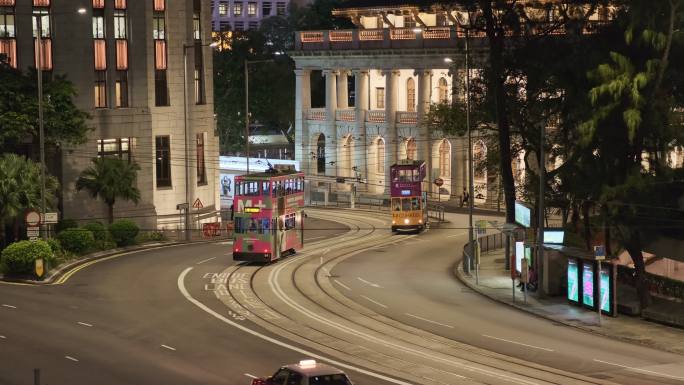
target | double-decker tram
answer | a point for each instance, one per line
(268, 220)
(408, 202)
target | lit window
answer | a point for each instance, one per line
(159, 5)
(7, 26)
(114, 148)
(45, 54)
(120, 4)
(100, 53)
(443, 91)
(196, 30)
(237, 9)
(223, 9)
(159, 26)
(8, 49)
(120, 25)
(122, 55)
(380, 97)
(100, 89)
(98, 26)
(98, 4)
(121, 89)
(41, 3)
(251, 9)
(410, 95)
(41, 16)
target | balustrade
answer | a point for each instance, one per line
(376, 116)
(407, 117)
(317, 114)
(346, 115)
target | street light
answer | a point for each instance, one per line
(247, 63)
(41, 124)
(188, 235)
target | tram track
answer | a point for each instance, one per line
(404, 350)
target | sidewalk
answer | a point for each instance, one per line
(495, 283)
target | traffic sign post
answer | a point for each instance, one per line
(40, 268)
(197, 205)
(439, 182)
(599, 255)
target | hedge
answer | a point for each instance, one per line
(77, 241)
(20, 257)
(123, 232)
(65, 224)
(98, 229)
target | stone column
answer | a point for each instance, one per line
(361, 107)
(391, 141)
(424, 139)
(342, 94)
(331, 125)
(302, 105)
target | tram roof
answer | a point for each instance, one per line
(268, 175)
(409, 163)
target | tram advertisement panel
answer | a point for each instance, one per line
(227, 189)
(573, 281)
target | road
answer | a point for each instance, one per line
(385, 308)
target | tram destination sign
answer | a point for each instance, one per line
(252, 210)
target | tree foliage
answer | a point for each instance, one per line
(110, 179)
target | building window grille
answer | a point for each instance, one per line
(266, 8)
(7, 23)
(201, 168)
(196, 23)
(114, 148)
(159, 26)
(224, 26)
(161, 89)
(320, 154)
(253, 25)
(409, 22)
(223, 9)
(44, 17)
(239, 26)
(163, 161)
(281, 8)
(237, 9)
(199, 75)
(380, 97)
(121, 89)
(443, 91)
(100, 89)
(251, 9)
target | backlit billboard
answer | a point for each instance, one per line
(523, 214)
(588, 284)
(573, 281)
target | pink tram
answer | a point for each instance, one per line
(268, 215)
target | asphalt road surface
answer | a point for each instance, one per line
(387, 309)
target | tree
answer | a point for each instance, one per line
(110, 179)
(20, 189)
(64, 123)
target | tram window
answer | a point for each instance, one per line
(239, 227)
(265, 187)
(265, 224)
(396, 204)
(415, 203)
(252, 225)
(406, 204)
(290, 222)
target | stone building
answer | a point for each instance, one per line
(402, 57)
(126, 60)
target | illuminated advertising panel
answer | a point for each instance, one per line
(519, 255)
(588, 284)
(523, 214)
(555, 237)
(405, 192)
(605, 289)
(573, 281)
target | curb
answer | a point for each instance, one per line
(458, 273)
(56, 274)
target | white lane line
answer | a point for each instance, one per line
(517, 343)
(375, 302)
(369, 283)
(71, 358)
(457, 235)
(9, 306)
(640, 370)
(85, 324)
(250, 375)
(186, 294)
(428, 320)
(168, 347)
(205, 260)
(311, 239)
(2, 337)
(341, 284)
(226, 243)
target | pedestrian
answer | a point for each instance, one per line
(232, 211)
(466, 197)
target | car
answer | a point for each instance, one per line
(306, 372)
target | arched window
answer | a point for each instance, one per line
(320, 154)
(411, 149)
(445, 159)
(479, 157)
(410, 95)
(380, 155)
(443, 90)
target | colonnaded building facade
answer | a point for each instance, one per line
(126, 61)
(402, 57)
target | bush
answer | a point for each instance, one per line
(55, 246)
(20, 257)
(65, 224)
(106, 244)
(123, 232)
(150, 236)
(98, 229)
(77, 241)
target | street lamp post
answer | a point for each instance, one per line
(247, 63)
(188, 233)
(41, 126)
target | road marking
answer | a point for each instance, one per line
(2, 337)
(71, 358)
(375, 302)
(168, 347)
(311, 239)
(430, 321)
(368, 282)
(225, 243)
(9, 306)
(517, 343)
(341, 284)
(250, 376)
(205, 260)
(186, 294)
(85, 324)
(640, 370)
(457, 235)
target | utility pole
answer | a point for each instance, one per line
(540, 236)
(247, 111)
(188, 232)
(471, 182)
(41, 126)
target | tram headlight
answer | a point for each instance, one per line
(420, 221)
(394, 222)
(406, 221)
